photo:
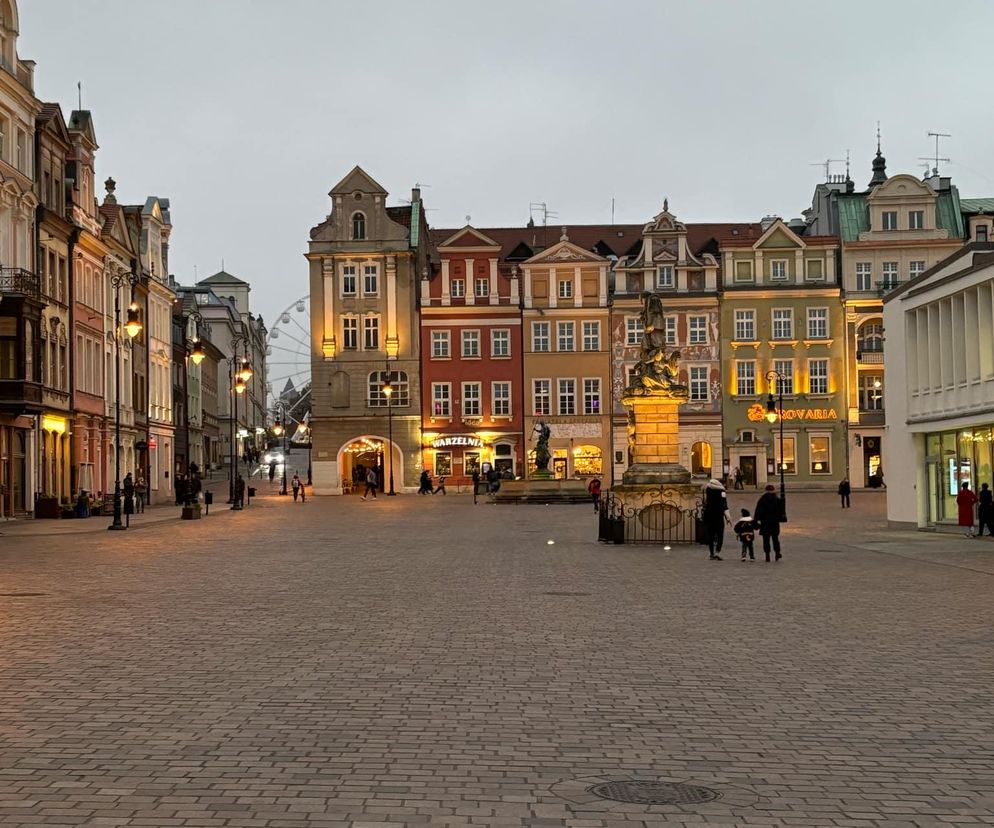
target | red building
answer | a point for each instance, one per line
(471, 358)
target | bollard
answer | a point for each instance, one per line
(208, 500)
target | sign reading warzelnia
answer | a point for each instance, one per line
(757, 413)
(458, 440)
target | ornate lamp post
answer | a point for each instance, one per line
(388, 393)
(279, 428)
(239, 373)
(196, 353)
(774, 411)
(132, 327)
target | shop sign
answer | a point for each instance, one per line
(757, 413)
(153, 443)
(458, 440)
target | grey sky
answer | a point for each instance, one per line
(245, 112)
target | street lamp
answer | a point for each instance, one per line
(197, 354)
(237, 380)
(388, 393)
(132, 327)
(278, 429)
(774, 411)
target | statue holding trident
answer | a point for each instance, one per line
(542, 453)
(657, 372)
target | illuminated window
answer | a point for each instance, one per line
(819, 451)
(701, 458)
(587, 460)
(788, 461)
(443, 463)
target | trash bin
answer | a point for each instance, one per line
(208, 500)
(618, 530)
(251, 490)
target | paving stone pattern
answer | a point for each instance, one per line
(421, 661)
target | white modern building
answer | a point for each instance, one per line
(940, 372)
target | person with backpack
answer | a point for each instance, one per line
(767, 515)
(715, 516)
(371, 481)
(295, 485)
(745, 531)
(594, 490)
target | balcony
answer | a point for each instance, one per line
(870, 357)
(17, 281)
(886, 286)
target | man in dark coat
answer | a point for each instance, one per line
(985, 510)
(715, 516)
(844, 491)
(767, 515)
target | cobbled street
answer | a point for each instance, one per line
(421, 661)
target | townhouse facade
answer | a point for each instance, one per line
(366, 262)
(782, 317)
(471, 347)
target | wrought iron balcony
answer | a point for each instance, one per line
(17, 280)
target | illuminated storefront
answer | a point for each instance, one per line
(457, 456)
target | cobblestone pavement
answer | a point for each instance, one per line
(421, 661)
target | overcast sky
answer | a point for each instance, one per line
(245, 113)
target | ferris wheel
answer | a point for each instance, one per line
(288, 361)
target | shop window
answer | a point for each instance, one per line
(471, 462)
(819, 452)
(787, 459)
(443, 463)
(586, 460)
(504, 458)
(701, 458)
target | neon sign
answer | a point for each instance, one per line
(757, 413)
(458, 440)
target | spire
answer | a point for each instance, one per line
(879, 164)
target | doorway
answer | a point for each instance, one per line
(559, 467)
(747, 465)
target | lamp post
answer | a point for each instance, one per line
(278, 429)
(132, 327)
(196, 354)
(239, 372)
(774, 411)
(388, 393)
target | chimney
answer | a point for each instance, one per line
(768, 221)
(415, 194)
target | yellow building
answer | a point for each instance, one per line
(566, 365)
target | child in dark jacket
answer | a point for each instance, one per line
(745, 531)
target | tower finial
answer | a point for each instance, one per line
(564, 236)
(666, 205)
(878, 137)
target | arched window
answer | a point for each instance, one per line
(400, 395)
(870, 337)
(358, 226)
(700, 458)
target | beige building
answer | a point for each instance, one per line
(567, 365)
(366, 261)
(891, 233)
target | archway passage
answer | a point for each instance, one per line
(369, 451)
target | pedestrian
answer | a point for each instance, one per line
(767, 515)
(965, 502)
(295, 485)
(476, 483)
(594, 490)
(129, 485)
(239, 493)
(737, 475)
(844, 490)
(272, 471)
(424, 487)
(745, 531)
(303, 489)
(985, 510)
(441, 485)
(370, 483)
(141, 494)
(715, 516)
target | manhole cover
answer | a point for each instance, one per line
(647, 792)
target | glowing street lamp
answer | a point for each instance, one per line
(774, 411)
(388, 393)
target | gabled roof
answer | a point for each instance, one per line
(565, 251)
(222, 277)
(357, 179)
(52, 121)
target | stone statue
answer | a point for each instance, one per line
(657, 372)
(542, 453)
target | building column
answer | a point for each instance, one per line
(446, 296)
(470, 283)
(494, 290)
(329, 341)
(392, 342)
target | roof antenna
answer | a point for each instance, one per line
(936, 159)
(827, 164)
(79, 90)
(847, 165)
(878, 137)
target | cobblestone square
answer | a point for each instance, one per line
(421, 661)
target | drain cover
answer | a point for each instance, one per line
(648, 792)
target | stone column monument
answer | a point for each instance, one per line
(653, 400)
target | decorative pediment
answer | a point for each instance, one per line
(468, 237)
(779, 235)
(902, 186)
(664, 255)
(565, 251)
(358, 181)
(666, 222)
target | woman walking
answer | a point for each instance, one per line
(715, 516)
(767, 515)
(965, 501)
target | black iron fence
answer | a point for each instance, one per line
(661, 519)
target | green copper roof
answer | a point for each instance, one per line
(977, 205)
(854, 217)
(415, 223)
(949, 212)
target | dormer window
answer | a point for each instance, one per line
(916, 220)
(358, 226)
(664, 277)
(889, 219)
(981, 232)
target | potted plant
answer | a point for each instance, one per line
(191, 510)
